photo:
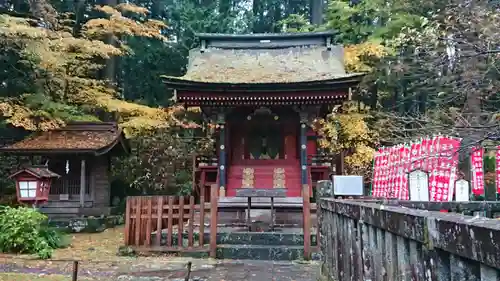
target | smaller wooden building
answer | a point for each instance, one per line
(81, 154)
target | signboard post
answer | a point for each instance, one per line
(419, 185)
(462, 191)
(348, 185)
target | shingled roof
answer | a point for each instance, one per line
(79, 137)
(265, 59)
(39, 171)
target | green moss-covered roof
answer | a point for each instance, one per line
(261, 66)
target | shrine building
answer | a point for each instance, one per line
(263, 91)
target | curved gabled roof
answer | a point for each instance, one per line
(264, 61)
(78, 137)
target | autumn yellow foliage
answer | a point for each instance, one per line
(66, 69)
(358, 57)
(346, 130)
(117, 25)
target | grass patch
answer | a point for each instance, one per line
(96, 252)
(101, 246)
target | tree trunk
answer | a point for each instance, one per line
(374, 96)
(110, 71)
(316, 12)
(79, 15)
(225, 7)
(256, 16)
(277, 17)
(156, 9)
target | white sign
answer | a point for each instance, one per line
(462, 191)
(419, 186)
(347, 185)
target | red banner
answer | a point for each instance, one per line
(385, 173)
(448, 161)
(497, 168)
(376, 173)
(432, 168)
(477, 170)
(454, 147)
(405, 164)
(380, 174)
(437, 156)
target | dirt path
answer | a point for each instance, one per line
(98, 261)
(175, 270)
(237, 270)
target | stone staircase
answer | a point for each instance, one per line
(286, 244)
(237, 243)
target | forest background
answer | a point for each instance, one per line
(432, 69)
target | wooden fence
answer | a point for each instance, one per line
(171, 223)
(400, 242)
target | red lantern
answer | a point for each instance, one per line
(33, 184)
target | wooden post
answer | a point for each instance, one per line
(318, 213)
(180, 226)
(306, 217)
(221, 121)
(82, 184)
(193, 176)
(138, 221)
(214, 201)
(303, 148)
(128, 224)
(202, 221)
(159, 219)
(341, 164)
(190, 224)
(75, 271)
(170, 220)
(149, 220)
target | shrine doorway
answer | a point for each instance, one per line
(264, 138)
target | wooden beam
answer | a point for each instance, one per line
(82, 183)
(221, 121)
(341, 163)
(306, 217)
(303, 148)
(214, 200)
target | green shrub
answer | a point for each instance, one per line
(25, 231)
(54, 237)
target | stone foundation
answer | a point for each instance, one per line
(86, 224)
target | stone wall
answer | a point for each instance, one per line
(371, 240)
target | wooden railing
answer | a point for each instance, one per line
(363, 240)
(205, 161)
(320, 159)
(171, 223)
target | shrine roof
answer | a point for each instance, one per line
(78, 137)
(40, 171)
(259, 60)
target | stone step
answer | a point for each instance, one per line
(260, 252)
(263, 238)
(243, 239)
